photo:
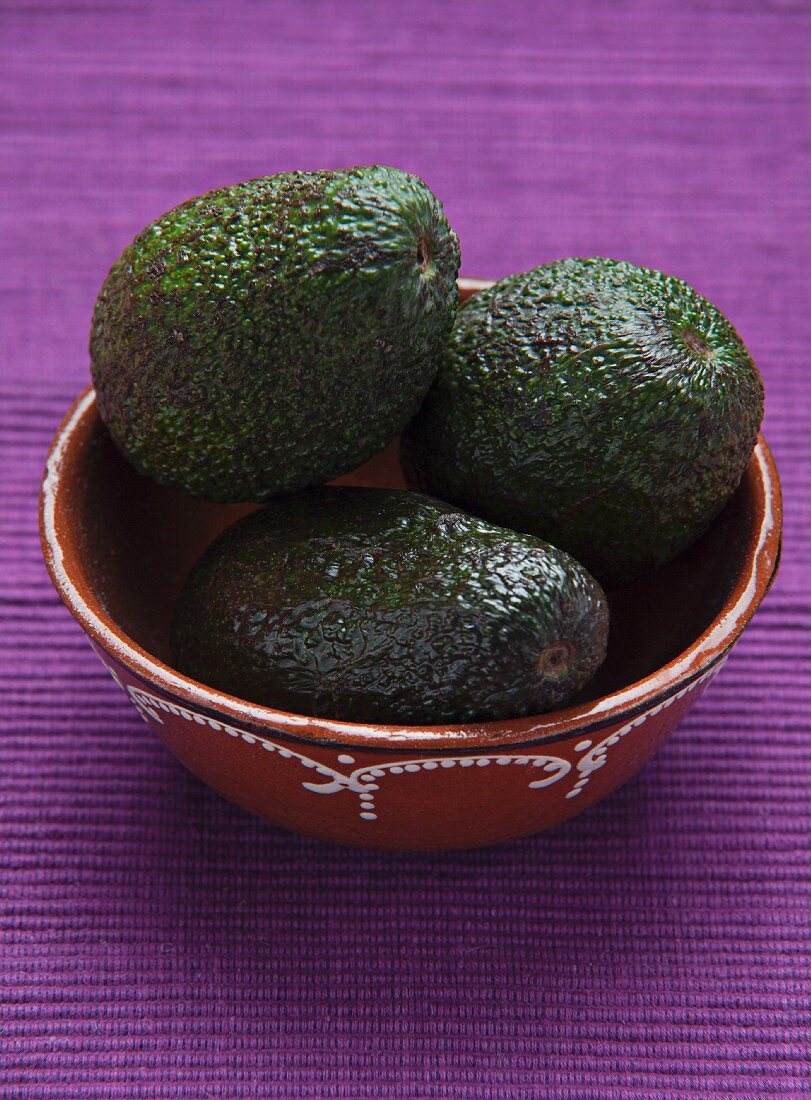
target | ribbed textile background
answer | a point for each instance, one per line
(156, 941)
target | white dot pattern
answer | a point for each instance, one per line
(592, 757)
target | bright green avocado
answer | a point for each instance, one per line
(373, 605)
(277, 333)
(607, 408)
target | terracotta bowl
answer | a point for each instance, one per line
(118, 548)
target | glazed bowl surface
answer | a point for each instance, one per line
(118, 547)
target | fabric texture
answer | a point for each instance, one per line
(158, 942)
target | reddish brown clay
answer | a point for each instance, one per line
(118, 548)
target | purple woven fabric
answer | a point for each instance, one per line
(156, 941)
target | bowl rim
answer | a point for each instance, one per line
(693, 663)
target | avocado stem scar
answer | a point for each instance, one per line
(423, 254)
(553, 662)
(696, 343)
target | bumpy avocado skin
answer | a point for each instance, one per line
(276, 333)
(374, 605)
(605, 407)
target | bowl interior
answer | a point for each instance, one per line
(132, 542)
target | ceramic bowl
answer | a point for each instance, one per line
(118, 548)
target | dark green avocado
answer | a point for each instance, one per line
(607, 408)
(374, 605)
(277, 333)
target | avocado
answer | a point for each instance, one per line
(608, 408)
(276, 333)
(376, 605)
